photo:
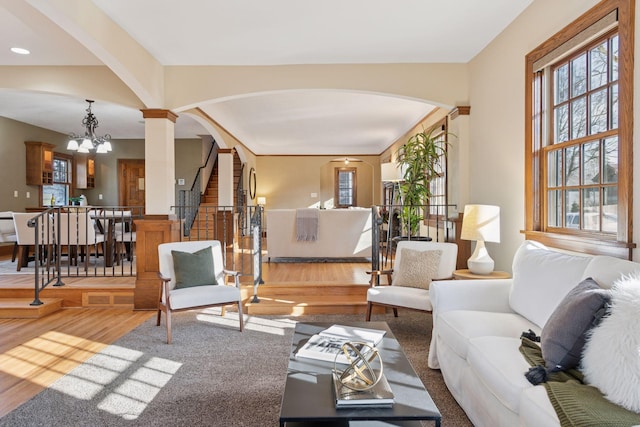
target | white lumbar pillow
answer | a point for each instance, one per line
(611, 358)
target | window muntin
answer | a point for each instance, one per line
(345, 191)
(438, 185)
(61, 182)
(543, 206)
(581, 160)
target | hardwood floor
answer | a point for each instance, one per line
(36, 352)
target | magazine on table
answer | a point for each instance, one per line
(379, 396)
(327, 345)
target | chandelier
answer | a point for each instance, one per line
(90, 141)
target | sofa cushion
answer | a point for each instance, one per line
(563, 336)
(202, 296)
(541, 278)
(416, 269)
(499, 365)
(457, 327)
(611, 359)
(606, 270)
(415, 298)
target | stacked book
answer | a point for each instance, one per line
(327, 345)
(379, 396)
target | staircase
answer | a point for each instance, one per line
(211, 222)
(21, 308)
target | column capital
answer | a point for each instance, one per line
(461, 110)
(158, 113)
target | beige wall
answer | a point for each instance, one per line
(13, 164)
(289, 181)
(497, 119)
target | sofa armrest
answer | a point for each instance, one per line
(481, 295)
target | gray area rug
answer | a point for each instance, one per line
(212, 374)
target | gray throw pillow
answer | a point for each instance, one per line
(193, 269)
(564, 335)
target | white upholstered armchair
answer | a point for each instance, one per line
(193, 276)
(416, 264)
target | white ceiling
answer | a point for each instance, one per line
(254, 32)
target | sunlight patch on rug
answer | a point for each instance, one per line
(251, 323)
(132, 391)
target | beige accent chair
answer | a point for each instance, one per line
(26, 238)
(415, 298)
(196, 297)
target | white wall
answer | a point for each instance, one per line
(497, 122)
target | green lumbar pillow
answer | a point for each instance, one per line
(194, 269)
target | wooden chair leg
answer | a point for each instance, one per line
(22, 254)
(223, 310)
(369, 307)
(395, 312)
(168, 326)
(240, 316)
(15, 252)
(159, 315)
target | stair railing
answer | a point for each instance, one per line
(189, 200)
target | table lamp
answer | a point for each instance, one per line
(482, 224)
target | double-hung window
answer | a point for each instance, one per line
(59, 191)
(345, 187)
(579, 138)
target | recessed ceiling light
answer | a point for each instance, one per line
(20, 51)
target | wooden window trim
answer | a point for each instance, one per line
(620, 245)
(438, 220)
(336, 187)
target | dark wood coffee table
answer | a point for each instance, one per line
(308, 398)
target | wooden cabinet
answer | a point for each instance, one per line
(85, 170)
(39, 163)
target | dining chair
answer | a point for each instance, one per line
(8, 232)
(26, 238)
(78, 234)
(193, 276)
(416, 264)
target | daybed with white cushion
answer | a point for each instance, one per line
(478, 324)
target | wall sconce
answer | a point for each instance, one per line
(262, 201)
(346, 161)
(482, 224)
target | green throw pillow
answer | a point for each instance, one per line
(194, 269)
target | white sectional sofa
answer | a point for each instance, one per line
(478, 324)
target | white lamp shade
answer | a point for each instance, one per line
(86, 143)
(391, 172)
(72, 145)
(262, 201)
(481, 222)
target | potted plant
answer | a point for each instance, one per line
(419, 159)
(75, 201)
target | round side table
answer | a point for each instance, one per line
(467, 275)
